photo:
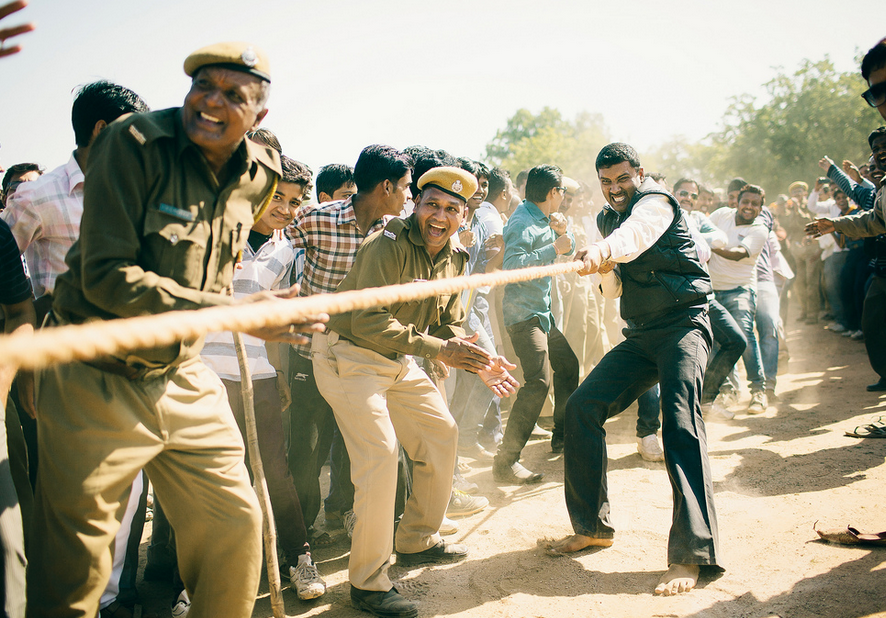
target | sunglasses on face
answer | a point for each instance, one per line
(875, 95)
(688, 194)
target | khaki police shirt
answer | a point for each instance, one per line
(158, 232)
(394, 255)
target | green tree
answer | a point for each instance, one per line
(816, 111)
(531, 139)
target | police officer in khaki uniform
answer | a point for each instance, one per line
(366, 371)
(169, 200)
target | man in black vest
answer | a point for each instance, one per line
(649, 260)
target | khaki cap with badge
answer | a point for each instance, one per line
(452, 180)
(233, 55)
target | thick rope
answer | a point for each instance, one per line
(83, 342)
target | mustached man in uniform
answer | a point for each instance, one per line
(169, 199)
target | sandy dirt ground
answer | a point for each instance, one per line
(775, 475)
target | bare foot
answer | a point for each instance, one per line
(679, 578)
(574, 543)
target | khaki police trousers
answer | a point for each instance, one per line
(96, 432)
(376, 402)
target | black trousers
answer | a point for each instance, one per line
(535, 348)
(675, 355)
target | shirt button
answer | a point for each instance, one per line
(173, 239)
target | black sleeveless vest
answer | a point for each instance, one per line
(666, 277)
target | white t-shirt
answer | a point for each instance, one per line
(730, 274)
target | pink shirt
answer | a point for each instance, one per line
(44, 216)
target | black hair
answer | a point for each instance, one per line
(266, 137)
(19, 169)
(686, 181)
(615, 153)
(498, 181)
(874, 59)
(468, 165)
(521, 177)
(101, 100)
(296, 172)
(736, 185)
(332, 177)
(658, 177)
(425, 159)
(540, 181)
(378, 163)
(875, 135)
(752, 189)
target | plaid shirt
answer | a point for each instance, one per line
(44, 216)
(268, 268)
(329, 236)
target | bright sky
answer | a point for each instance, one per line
(445, 73)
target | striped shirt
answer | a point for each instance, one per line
(44, 216)
(14, 286)
(269, 268)
(329, 235)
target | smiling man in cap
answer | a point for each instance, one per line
(169, 200)
(366, 372)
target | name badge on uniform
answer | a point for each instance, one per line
(390, 234)
(178, 213)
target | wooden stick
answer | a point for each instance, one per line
(269, 529)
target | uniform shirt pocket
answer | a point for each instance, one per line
(174, 246)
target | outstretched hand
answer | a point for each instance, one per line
(465, 354)
(8, 33)
(498, 378)
(820, 227)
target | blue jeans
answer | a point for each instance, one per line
(729, 344)
(674, 355)
(472, 397)
(833, 267)
(741, 303)
(768, 320)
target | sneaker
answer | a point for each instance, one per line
(442, 552)
(719, 409)
(463, 485)
(771, 397)
(182, 605)
(539, 432)
(448, 527)
(836, 327)
(515, 474)
(848, 333)
(758, 404)
(857, 336)
(306, 579)
(557, 444)
(462, 505)
(649, 448)
(349, 520)
(728, 397)
(390, 604)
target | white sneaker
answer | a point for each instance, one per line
(649, 448)
(540, 432)
(448, 527)
(759, 403)
(182, 605)
(462, 505)
(306, 579)
(857, 336)
(836, 327)
(720, 410)
(349, 520)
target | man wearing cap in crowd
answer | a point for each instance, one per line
(169, 199)
(365, 370)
